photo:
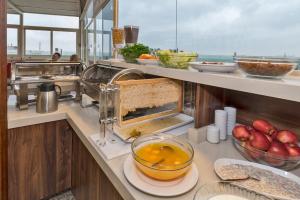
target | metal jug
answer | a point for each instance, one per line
(47, 98)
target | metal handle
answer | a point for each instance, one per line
(107, 114)
(59, 88)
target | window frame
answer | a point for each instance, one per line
(84, 32)
(18, 39)
(22, 40)
(24, 50)
(20, 19)
(38, 28)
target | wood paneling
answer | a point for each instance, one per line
(3, 103)
(39, 160)
(88, 180)
(208, 99)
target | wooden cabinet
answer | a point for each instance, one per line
(88, 180)
(39, 160)
(46, 159)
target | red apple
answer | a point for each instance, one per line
(241, 133)
(293, 149)
(276, 153)
(249, 128)
(264, 126)
(286, 136)
(252, 152)
(274, 135)
(259, 141)
(269, 138)
(278, 149)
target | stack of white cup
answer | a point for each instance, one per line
(225, 121)
(213, 134)
(221, 123)
(231, 119)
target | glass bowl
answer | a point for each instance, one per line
(225, 190)
(262, 157)
(176, 60)
(158, 156)
(266, 68)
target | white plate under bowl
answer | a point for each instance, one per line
(147, 61)
(220, 68)
(226, 161)
(159, 188)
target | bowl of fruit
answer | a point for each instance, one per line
(178, 60)
(147, 59)
(263, 143)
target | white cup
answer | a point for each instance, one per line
(231, 119)
(221, 123)
(213, 134)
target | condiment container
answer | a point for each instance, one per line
(131, 34)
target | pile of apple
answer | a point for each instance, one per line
(265, 137)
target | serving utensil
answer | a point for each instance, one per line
(163, 148)
(133, 135)
(242, 178)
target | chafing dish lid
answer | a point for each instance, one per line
(96, 74)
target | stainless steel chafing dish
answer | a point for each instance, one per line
(96, 75)
(27, 76)
(127, 98)
(98, 83)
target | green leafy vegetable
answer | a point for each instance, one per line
(131, 53)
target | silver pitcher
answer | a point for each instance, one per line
(47, 98)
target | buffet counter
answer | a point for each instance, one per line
(287, 88)
(205, 153)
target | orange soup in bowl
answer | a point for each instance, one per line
(163, 160)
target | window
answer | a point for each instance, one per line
(90, 43)
(156, 19)
(104, 24)
(13, 19)
(107, 21)
(217, 29)
(12, 41)
(64, 42)
(37, 42)
(99, 35)
(51, 21)
(89, 14)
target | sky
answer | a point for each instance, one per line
(248, 27)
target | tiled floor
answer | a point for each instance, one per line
(64, 196)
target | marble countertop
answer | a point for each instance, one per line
(205, 153)
(287, 88)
